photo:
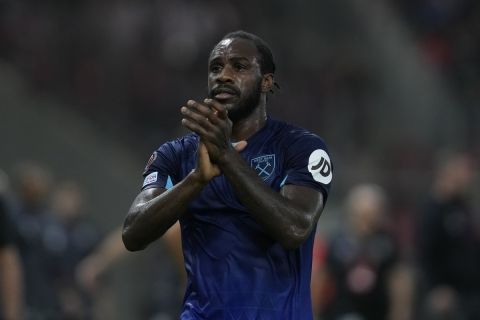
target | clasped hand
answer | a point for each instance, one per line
(210, 121)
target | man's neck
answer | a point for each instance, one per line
(245, 128)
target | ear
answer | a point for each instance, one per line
(267, 82)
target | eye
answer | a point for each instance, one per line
(240, 66)
(216, 68)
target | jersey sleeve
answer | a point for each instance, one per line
(309, 164)
(162, 167)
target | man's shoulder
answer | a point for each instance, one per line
(292, 134)
(179, 144)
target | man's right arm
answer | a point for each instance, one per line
(155, 210)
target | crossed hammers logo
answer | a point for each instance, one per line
(263, 170)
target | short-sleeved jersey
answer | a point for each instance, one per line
(235, 269)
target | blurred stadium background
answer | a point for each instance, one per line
(88, 89)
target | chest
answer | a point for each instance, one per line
(265, 158)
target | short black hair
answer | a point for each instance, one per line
(267, 64)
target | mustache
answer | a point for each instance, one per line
(224, 88)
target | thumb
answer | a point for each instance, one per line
(202, 148)
(240, 145)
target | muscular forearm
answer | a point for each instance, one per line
(150, 217)
(287, 221)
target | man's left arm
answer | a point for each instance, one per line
(289, 216)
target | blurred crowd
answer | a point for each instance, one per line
(45, 226)
(360, 273)
(139, 61)
(405, 244)
(54, 261)
(447, 34)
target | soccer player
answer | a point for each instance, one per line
(247, 189)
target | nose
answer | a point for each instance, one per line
(226, 75)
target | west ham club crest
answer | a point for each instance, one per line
(264, 165)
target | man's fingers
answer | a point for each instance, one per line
(194, 126)
(240, 145)
(205, 119)
(204, 110)
(198, 107)
(202, 150)
(206, 167)
(218, 108)
(194, 116)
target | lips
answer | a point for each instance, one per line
(224, 93)
(223, 96)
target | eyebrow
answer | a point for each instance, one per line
(215, 60)
(239, 58)
(234, 58)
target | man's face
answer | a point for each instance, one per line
(234, 77)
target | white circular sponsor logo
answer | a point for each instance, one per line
(320, 167)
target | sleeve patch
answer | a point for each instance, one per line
(152, 158)
(320, 167)
(151, 178)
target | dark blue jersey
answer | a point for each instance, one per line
(235, 269)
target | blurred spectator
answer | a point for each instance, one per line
(449, 241)
(358, 275)
(39, 244)
(76, 238)
(90, 270)
(91, 274)
(165, 302)
(11, 304)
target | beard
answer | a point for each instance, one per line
(245, 106)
